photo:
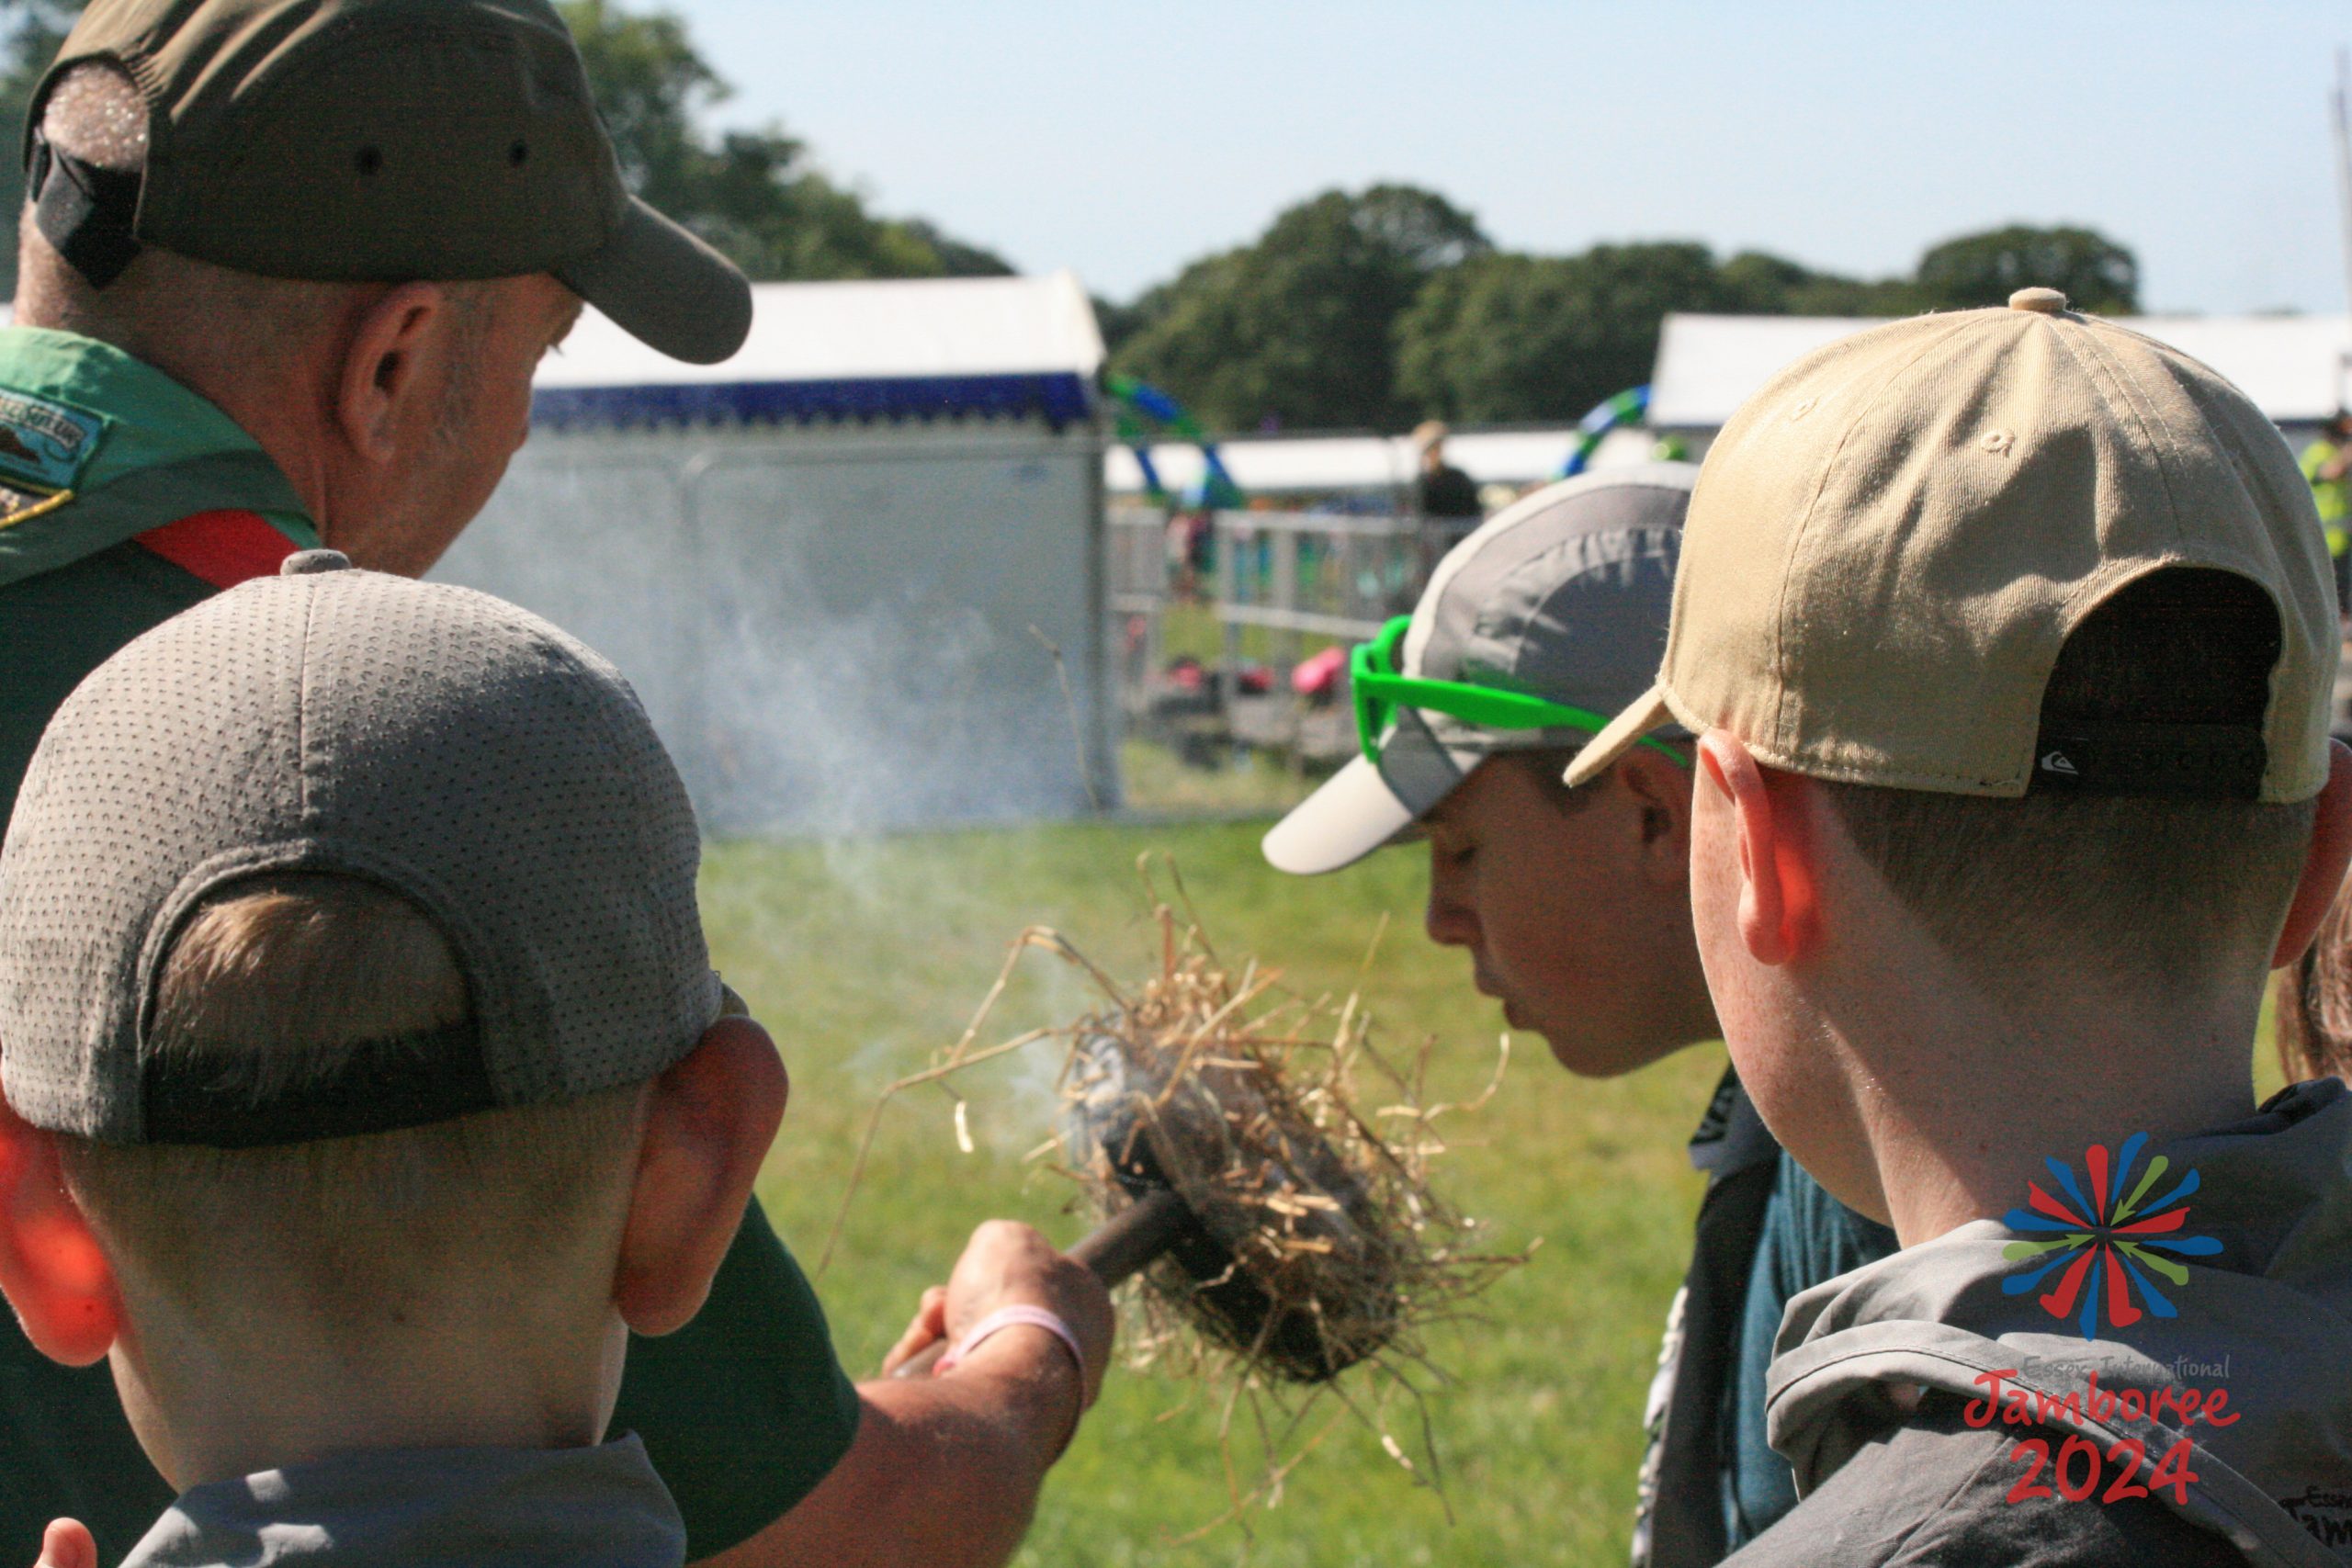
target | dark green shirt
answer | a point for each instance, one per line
(1446, 491)
(1765, 1232)
(744, 1410)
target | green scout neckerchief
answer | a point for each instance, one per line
(97, 447)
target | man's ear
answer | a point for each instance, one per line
(2323, 866)
(1780, 902)
(709, 1123)
(51, 1268)
(390, 358)
(1661, 792)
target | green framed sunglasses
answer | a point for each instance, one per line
(1379, 692)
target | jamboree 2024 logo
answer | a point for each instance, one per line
(2107, 1239)
(2104, 1236)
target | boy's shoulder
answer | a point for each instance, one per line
(1930, 1489)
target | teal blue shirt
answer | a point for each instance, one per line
(1808, 1237)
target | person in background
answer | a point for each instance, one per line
(2325, 463)
(2314, 997)
(1574, 908)
(1442, 492)
(287, 267)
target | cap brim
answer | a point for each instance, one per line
(666, 287)
(1650, 712)
(1353, 814)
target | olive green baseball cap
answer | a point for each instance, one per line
(393, 140)
(1890, 543)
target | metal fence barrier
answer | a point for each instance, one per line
(1259, 587)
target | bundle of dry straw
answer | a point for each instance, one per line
(1302, 1150)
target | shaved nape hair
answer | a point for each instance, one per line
(2147, 896)
(296, 973)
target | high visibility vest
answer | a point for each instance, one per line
(2330, 495)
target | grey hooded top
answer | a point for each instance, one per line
(594, 1507)
(1879, 1392)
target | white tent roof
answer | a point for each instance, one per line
(2292, 367)
(1275, 465)
(846, 331)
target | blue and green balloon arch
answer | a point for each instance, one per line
(1143, 413)
(1628, 407)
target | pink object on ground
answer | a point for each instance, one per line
(1319, 675)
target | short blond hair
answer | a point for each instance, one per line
(2154, 895)
(295, 972)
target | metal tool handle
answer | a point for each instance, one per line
(1114, 1251)
(1122, 1245)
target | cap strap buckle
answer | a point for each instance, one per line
(1378, 691)
(91, 214)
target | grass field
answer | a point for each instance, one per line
(864, 957)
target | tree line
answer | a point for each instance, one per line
(1373, 309)
(1354, 310)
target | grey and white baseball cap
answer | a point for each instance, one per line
(445, 745)
(1563, 595)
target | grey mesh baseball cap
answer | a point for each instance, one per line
(1564, 595)
(442, 744)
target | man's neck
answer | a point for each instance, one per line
(284, 414)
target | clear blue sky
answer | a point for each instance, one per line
(1125, 140)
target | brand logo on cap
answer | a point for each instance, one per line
(2207, 761)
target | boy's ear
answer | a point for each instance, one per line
(1661, 790)
(2323, 866)
(709, 1123)
(51, 1268)
(1780, 902)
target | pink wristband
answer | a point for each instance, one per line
(1012, 1317)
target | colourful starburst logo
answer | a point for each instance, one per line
(2104, 1244)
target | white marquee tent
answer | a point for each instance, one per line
(2292, 367)
(1367, 464)
(838, 567)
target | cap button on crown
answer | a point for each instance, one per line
(2043, 301)
(302, 563)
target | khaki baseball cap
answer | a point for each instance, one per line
(437, 742)
(1890, 543)
(390, 140)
